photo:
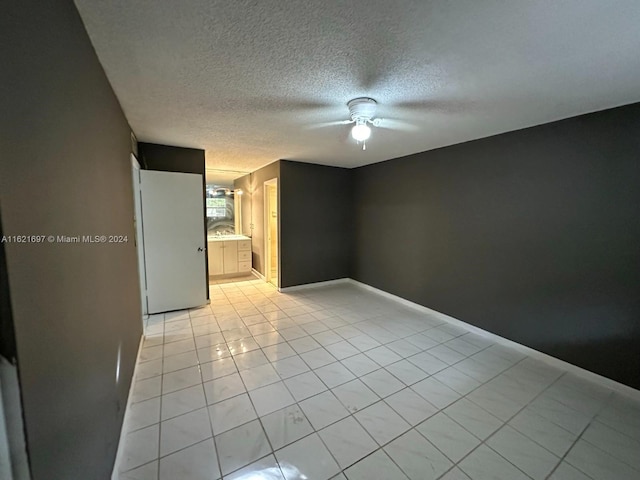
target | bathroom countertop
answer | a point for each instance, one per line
(222, 238)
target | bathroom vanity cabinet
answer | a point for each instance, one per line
(229, 255)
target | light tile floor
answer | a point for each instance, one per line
(337, 382)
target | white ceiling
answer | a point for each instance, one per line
(247, 79)
(223, 177)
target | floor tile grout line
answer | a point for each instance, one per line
(637, 468)
(191, 445)
(579, 436)
(160, 412)
(558, 379)
(610, 398)
(441, 410)
(380, 399)
(357, 377)
(326, 426)
(206, 407)
(289, 391)
(342, 470)
(178, 450)
(505, 423)
(317, 431)
(481, 442)
(433, 374)
(258, 418)
(185, 413)
(428, 375)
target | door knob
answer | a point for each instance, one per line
(200, 249)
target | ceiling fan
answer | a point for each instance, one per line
(362, 111)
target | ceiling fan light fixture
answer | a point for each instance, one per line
(361, 132)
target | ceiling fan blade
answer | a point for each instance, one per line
(439, 105)
(393, 124)
(330, 124)
(270, 104)
(346, 137)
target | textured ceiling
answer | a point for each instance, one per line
(247, 80)
(223, 177)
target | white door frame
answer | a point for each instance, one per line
(139, 238)
(267, 245)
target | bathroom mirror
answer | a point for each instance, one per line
(223, 202)
(244, 183)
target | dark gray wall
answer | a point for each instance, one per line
(316, 222)
(533, 235)
(65, 170)
(172, 159)
(315, 208)
(168, 158)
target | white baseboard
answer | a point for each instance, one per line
(548, 359)
(125, 422)
(256, 273)
(306, 286)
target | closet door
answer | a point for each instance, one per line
(173, 230)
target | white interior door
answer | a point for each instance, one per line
(173, 230)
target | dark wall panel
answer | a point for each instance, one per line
(533, 235)
(65, 170)
(172, 159)
(168, 158)
(315, 222)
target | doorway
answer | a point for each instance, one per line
(272, 256)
